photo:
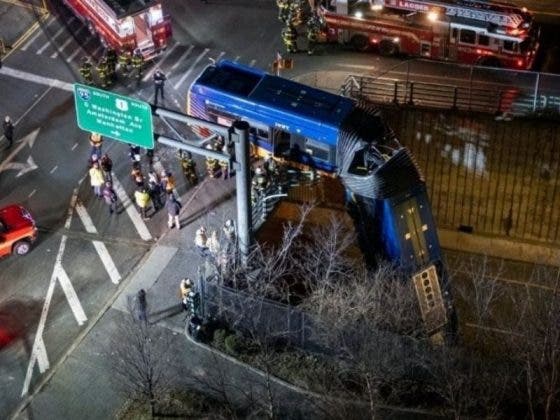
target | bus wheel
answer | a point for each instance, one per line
(360, 42)
(387, 48)
(490, 62)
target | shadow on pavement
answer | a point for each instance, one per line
(17, 318)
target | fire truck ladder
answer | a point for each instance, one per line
(500, 14)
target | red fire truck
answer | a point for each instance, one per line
(465, 31)
(126, 24)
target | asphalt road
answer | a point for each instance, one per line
(82, 254)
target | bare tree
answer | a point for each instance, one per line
(140, 354)
(371, 320)
(535, 346)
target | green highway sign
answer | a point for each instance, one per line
(115, 116)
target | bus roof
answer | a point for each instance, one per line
(275, 92)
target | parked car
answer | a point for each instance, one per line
(17, 230)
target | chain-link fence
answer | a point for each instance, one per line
(454, 86)
(259, 317)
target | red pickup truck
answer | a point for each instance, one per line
(17, 230)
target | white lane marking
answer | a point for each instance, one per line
(71, 295)
(56, 35)
(160, 61)
(32, 193)
(99, 246)
(185, 55)
(190, 70)
(39, 32)
(73, 202)
(237, 58)
(218, 58)
(74, 146)
(252, 63)
(54, 169)
(42, 357)
(84, 217)
(41, 327)
(107, 261)
(30, 77)
(78, 49)
(67, 42)
(28, 140)
(137, 221)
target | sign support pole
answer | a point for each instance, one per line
(244, 213)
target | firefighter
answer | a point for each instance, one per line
(86, 71)
(125, 60)
(211, 164)
(260, 181)
(312, 37)
(283, 10)
(112, 58)
(137, 63)
(189, 167)
(102, 72)
(289, 36)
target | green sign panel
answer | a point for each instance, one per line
(115, 116)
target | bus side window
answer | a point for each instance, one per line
(317, 150)
(263, 134)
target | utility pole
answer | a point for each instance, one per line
(240, 137)
(238, 133)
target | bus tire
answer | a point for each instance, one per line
(490, 62)
(360, 42)
(387, 48)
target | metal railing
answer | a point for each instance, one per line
(480, 89)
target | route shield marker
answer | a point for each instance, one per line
(116, 116)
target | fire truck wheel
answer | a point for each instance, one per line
(360, 42)
(387, 48)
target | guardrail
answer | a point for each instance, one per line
(480, 89)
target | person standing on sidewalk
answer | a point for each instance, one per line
(97, 179)
(159, 82)
(110, 197)
(107, 166)
(142, 199)
(173, 209)
(185, 287)
(8, 130)
(200, 240)
(96, 142)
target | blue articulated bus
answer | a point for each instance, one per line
(385, 191)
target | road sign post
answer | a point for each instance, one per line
(116, 116)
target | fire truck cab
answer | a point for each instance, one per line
(126, 24)
(465, 31)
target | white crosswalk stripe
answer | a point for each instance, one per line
(183, 56)
(37, 34)
(159, 61)
(190, 70)
(67, 42)
(56, 35)
(131, 210)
